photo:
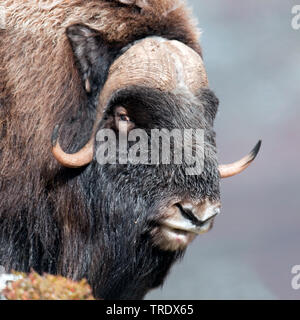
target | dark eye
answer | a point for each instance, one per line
(124, 117)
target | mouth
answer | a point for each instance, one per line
(181, 226)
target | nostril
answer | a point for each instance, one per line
(193, 213)
(187, 213)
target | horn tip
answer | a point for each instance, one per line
(255, 150)
(54, 136)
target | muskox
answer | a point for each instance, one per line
(68, 70)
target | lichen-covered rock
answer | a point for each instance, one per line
(5, 279)
(46, 287)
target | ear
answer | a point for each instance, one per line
(93, 55)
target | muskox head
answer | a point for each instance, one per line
(149, 212)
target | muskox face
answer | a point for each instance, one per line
(154, 85)
(144, 213)
(173, 206)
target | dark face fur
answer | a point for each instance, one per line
(131, 202)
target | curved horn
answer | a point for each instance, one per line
(153, 62)
(156, 63)
(74, 160)
(229, 170)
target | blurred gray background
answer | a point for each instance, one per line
(252, 56)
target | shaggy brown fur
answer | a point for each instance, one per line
(40, 87)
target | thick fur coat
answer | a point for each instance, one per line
(46, 211)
